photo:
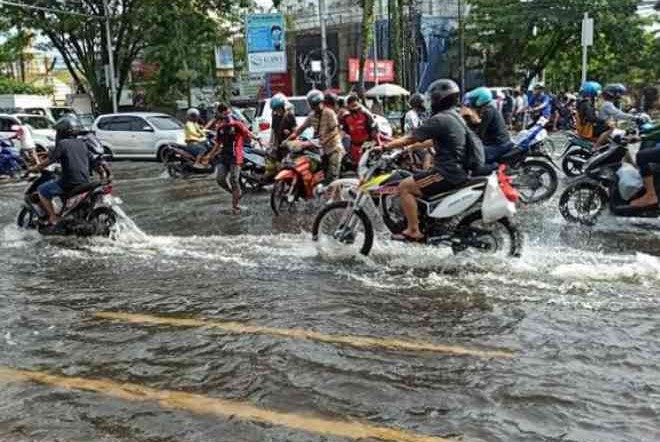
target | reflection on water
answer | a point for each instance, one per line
(247, 311)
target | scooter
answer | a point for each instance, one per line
(587, 196)
(298, 176)
(258, 169)
(85, 210)
(476, 216)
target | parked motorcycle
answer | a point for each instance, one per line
(12, 163)
(587, 196)
(86, 210)
(475, 216)
(258, 170)
(298, 176)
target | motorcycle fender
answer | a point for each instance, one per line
(456, 203)
(580, 179)
(285, 174)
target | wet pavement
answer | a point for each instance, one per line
(196, 325)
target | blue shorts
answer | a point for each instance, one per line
(50, 190)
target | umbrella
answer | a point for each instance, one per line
(387, 90)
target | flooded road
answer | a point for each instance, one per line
(195, 325)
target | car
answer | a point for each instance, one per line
(40, 127)
(261, 126)
(138, 135)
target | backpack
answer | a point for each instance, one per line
(475, 156)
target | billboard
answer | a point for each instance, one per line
(266, 44)
(224, 57)
(385, 70)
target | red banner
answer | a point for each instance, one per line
(385, 70)
(280, 83)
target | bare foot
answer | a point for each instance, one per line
(647, 200)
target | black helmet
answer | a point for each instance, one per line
(330, 99)
(416, 100)
(68, 127)
(443, 93)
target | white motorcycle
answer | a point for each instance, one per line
(478, 215)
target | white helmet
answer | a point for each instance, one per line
(192, 113)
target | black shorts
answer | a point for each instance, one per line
(432, 183)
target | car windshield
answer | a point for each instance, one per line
(36, 122)
(165, 123)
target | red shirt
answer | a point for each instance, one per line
(359, 126)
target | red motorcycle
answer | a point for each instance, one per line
(299, 174)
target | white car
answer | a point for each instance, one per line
(40, 129)
(138, 135)
(264, 115)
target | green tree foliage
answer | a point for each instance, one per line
(10, 86)
(78, 33)
(518, 39)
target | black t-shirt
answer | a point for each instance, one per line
(492, 130)
(75, 159)
(448, 136)
(227, 137)
(281, 124)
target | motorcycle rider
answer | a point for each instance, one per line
(588, 124)
(539, 103)
(74, 157)
(231, 134)
(417, 113)
(492, 127)
(326, 129)
(194, 136)
(448, 133)
(645, 157)
(359, 125)
(283, 123)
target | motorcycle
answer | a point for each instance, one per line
(586, 197)
(12, 163)
(578, 151)
(258, 168)
(179, 162)
(475, 216)
(298, 176)
(530, 166)
(85, 210)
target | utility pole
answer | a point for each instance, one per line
(461, 45)
(587, 40)
(324, 45)
(375, 53)
(111, 58)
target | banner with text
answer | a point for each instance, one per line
(266, 47)
(385, 70)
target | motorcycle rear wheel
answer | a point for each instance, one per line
(501, 237)
(583, 203)
(330, 231)
(535, 180)
(279, 197)
(573, 162)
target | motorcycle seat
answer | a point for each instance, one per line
(512, 155)
(82, 189)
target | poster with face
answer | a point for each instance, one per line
(266, 44)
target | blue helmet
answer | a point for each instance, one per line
(590, 89)
(479, 97)
(614, 90)
(278, 101)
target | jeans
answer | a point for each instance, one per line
(50, 190)
(195, 149)
(234, 172)
(646, 157)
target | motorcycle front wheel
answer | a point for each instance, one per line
(103, 219)
(280, 198)
(583, 203)
(535, 180)
(338, 229)
(501, 237)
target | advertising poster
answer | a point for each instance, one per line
(266, 47)
(224, 57)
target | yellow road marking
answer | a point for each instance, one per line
(204, 405)
(352, 341)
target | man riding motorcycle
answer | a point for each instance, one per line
(588, 124)
(448, 132)
(359, 125)
(539, 103)
(326, 129)
(76, 161)
(231, 133)
(283, 123)
(492, 127)
(417, 113)
(194, 135)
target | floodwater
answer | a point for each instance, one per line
(195, 325)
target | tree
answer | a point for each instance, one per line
(77, 31)
(395, 36)
(367, 37)
(520, 38)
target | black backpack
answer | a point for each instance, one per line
(475, 156)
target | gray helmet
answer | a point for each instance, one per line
(315, 97)
(68, 126)
(416, 100)
(192, 113)
(439, 90)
